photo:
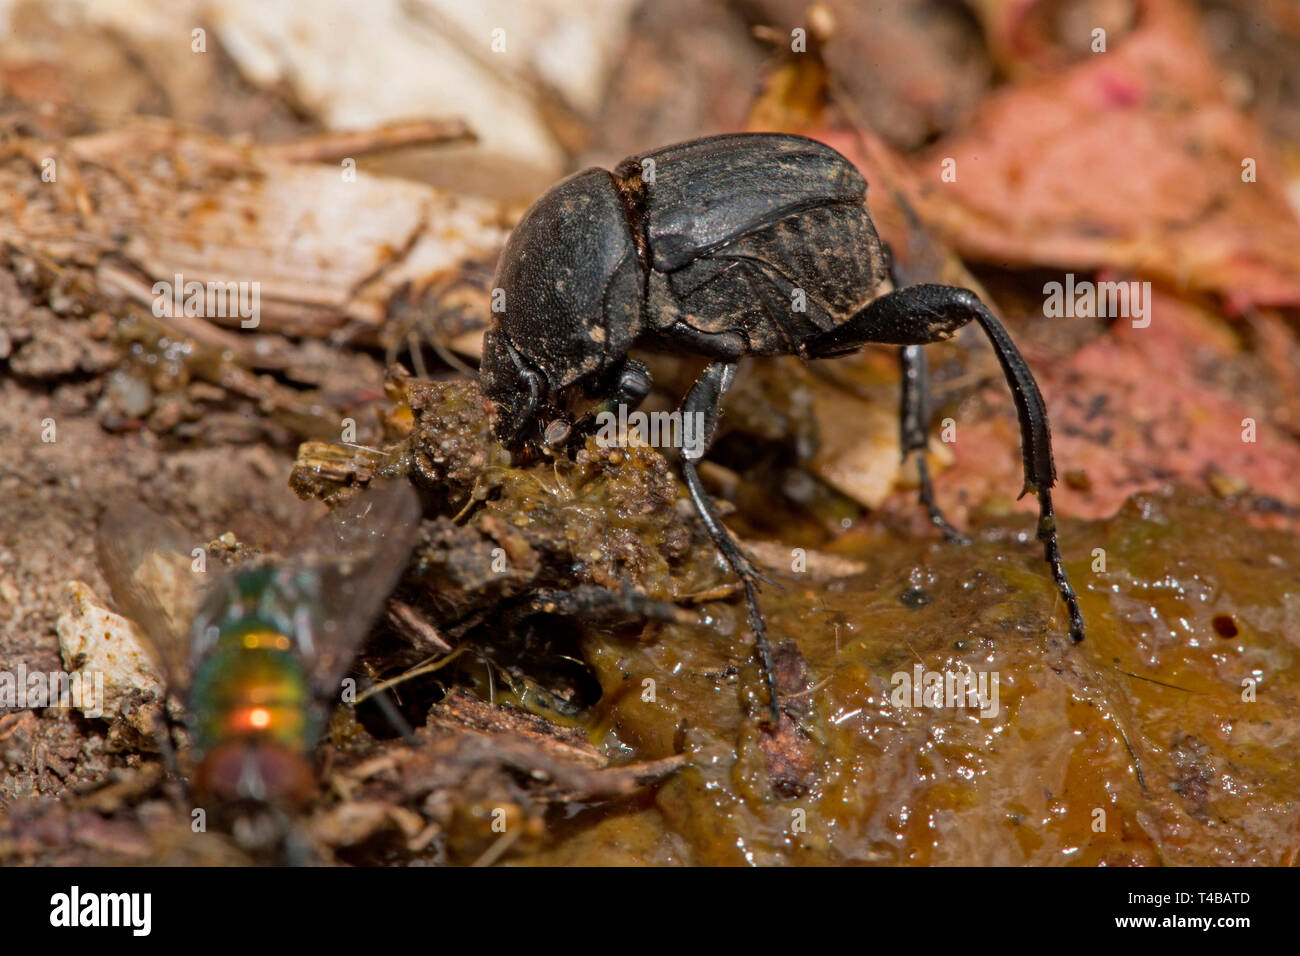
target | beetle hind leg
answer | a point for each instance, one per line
(921, 314)
(703, 399)
(914, 433)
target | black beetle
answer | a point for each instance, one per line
(705, 248)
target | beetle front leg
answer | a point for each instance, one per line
(632, 384)
(921, 314)
(703, 399)
(914, 433)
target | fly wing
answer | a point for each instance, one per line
(358, 553)
(150, 566)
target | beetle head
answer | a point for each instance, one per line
(525, 402)
(570, 284)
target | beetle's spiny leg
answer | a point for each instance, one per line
(763, 650)
(926, 495)
(704, 398)
(722, 538)
(1052, 553)
(914, 433)
(921, 314)
(1036, 448)
(1035, 434)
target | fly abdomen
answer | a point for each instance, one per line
(253, 718)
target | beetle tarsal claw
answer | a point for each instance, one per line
(745, 568)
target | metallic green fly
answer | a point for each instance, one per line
(258, 654)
